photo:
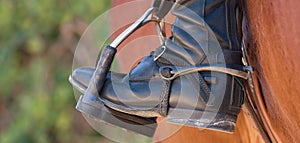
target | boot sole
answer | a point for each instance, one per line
(194, 118)
(103, 114)
(203, 119)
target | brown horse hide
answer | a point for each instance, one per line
(273, 49)
(272, 33)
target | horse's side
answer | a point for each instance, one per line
(272, 39)
(274, 52)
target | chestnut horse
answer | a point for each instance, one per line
(271, 36)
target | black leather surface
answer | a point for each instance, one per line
(145, 93)
(205, 32)
(103, 66)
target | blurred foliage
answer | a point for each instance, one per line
(37, 41)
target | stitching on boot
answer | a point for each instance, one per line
(164, 98)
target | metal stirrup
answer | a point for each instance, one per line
(156, 14)
(108, 53)
(147, 17)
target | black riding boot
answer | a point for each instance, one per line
(195, 78)
(97, 111)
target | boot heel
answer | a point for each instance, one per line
(102, 114)
(203, 119)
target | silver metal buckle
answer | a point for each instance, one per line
(161, 53)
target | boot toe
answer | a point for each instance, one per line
(81, 77)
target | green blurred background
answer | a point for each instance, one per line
(37, 42)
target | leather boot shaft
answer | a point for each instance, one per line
(204, 28)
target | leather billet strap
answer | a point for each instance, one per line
(162, 7)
